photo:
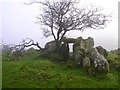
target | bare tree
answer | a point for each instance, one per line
(61, 17)
(27, 42)
(17, 51)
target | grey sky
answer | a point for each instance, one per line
(18, 22)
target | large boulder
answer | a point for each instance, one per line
(78, 57)
(64, 51)
(69, 40)
(90, 58)
(85, 55)
(82, 48)
(89, 45)
(86, 45)
(50, 47)
(77, 43)
(86, 63)
(50, 51)
(99, 62)
(102, 51)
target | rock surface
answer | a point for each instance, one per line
(100, 63)
(78, 57)
(102, 51)
(64, 51)
(50, 47)
(85, 55)
(86, 63)
(82, 47)
(84, 44)
(89, 44)
(88, 56)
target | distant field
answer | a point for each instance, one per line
(43, 73)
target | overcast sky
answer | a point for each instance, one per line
(17, 21)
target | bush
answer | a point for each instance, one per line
(114, 61)
(7, 56)
(31, 54)
(115, 65)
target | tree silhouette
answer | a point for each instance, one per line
(63, 16)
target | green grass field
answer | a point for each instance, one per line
(43, 73)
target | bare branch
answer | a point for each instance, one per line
(63, 16)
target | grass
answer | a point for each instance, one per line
(43, 73)
(32, 71)
(112, 56)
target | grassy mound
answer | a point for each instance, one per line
(33, 71)
(42, 73)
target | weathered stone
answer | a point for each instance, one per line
(100, 63)
(64, 51)
(86, 63)
(69, 40)
(77, 43)
(82, 47)
(85, 55)
(94, 54)
(50, 47)
(89, 45)
(78, 57)
(50, 51)
(84, 44)
(102, 51)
